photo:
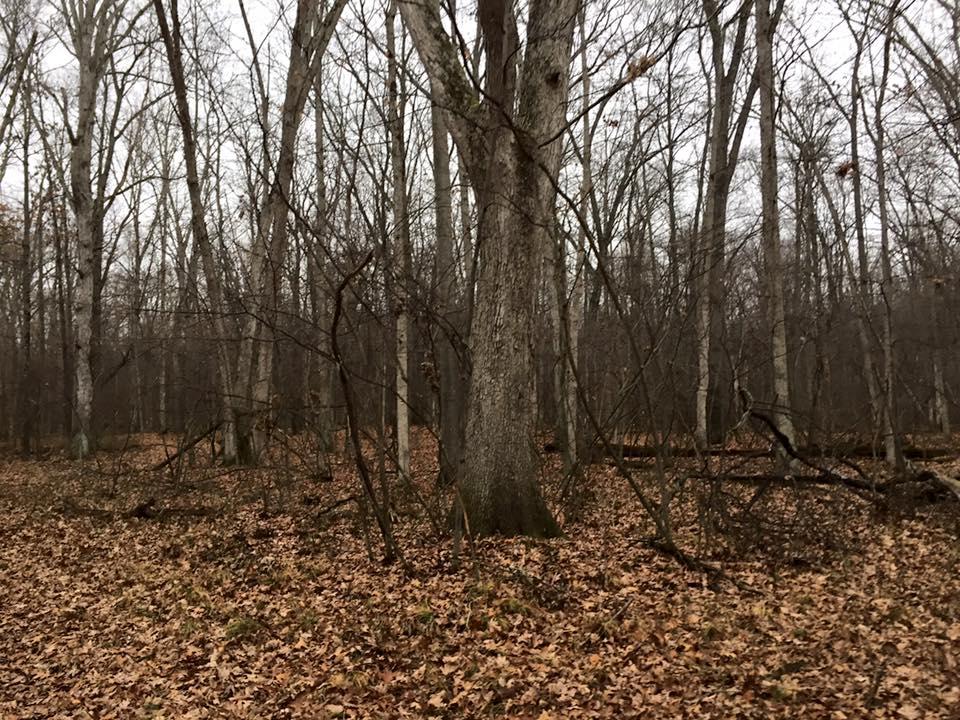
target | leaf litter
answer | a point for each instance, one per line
(262, 607)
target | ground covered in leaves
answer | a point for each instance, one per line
(196, 592)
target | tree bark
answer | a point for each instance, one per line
(91, 68)
(861, 272)
(570, 315)
(319, 393)
(770, 231)
(513, 157)
(891, 440)
(452, 383)
(25, 391)
(401, 245)
(940, 404)
(725, 137)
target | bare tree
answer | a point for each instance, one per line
(891, 439)
(308, 43)
(450, 376)
(509, 141)
(773, 273)
(725, 139)
(96, 30)
(14, 22)
(320, 394)
(172, 41)
(401, 242)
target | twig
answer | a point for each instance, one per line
(193, 443)
(392, 551)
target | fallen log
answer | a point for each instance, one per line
(932, 484)
(855, 451)
(930, 475)
(868, 451)
(823, 478)
(910, 474)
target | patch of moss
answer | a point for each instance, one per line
(424, 614)
(514, 606)
(242, 628)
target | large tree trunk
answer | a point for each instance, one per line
(82, 202)
(499, 482)
(513, 159)
(96, 30)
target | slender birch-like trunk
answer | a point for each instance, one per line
(451, 381)
(770, 231)
(171, 41)
(254, 382)
(725, 137)
(400, 243)
(891, 440)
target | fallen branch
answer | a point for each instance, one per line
(931, 475)
(911, 473)
(391, 549)
(839, 451)
(339, 503)
(189, 446)
(784, 441)
(827, 479)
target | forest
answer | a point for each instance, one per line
(531, 359)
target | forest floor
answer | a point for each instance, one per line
(242, 594)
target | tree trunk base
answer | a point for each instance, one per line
(508, 508)
(80, 445)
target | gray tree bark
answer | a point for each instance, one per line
(319, 376)
(452, 382)
(770, 230)
(726, 135)
(94, 34)
(891, 439)
(25, 390)
(511, 145)
(401, 244)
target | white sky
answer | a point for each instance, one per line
(819, 20)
